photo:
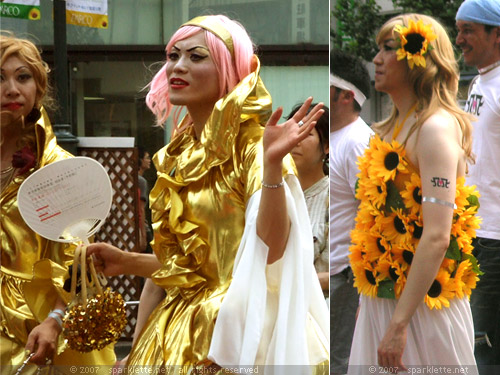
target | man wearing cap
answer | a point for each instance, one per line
(478, 25)
(349, 137)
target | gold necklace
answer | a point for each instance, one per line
(399, 126)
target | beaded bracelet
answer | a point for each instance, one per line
(275, 186)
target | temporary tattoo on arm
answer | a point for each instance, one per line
(440, 182)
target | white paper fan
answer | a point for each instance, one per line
(67, 200)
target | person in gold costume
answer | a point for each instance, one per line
(33, 269)
(232, 239)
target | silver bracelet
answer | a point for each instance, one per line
(276, 186)
(59, 311)
(56, 317)
(439, 201)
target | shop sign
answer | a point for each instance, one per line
(25, 9)
(89, 13)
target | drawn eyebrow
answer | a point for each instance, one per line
(191, 49)
(19, 68)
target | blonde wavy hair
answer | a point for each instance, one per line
(435, 86)
(29, 53)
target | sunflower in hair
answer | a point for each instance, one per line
(415, 42)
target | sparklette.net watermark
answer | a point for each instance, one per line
(416, 370)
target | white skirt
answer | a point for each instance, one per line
(434, 337)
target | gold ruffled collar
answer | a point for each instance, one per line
(45, 139)
(187, 159)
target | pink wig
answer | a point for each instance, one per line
(230, 71)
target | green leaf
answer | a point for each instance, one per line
(386, 289)
(473, 260)
(393, 200)
(473, 201)
(453, 251)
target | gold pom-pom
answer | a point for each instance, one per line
(97, 324)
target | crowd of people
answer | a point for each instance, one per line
(249, 258)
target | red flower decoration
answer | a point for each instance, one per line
(24, 159)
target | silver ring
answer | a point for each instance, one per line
(300, 123)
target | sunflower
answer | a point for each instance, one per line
(394, 271)
(440, 291)
(416, 228)
(407, 254)
(457, 227)
(375, 191)
(363, 162)
(376, 247)
(463, 242)
(466, 196)
(415, 41)
(471, 222)
(465, 279)
(394, 227)
(465, 245)
(412, 195)
(366, 216)
(398, 253)
(357, 254)
(365, 279)
(462, 192)
(448, 265)
(387, 159)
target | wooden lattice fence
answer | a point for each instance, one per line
(121, 227)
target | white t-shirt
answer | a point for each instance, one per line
(484, 103)
(346, 145)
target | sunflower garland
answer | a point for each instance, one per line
(389, 226)
(414, 42)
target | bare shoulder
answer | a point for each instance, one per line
(441, 122)
(439, 142)
(440, 128)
